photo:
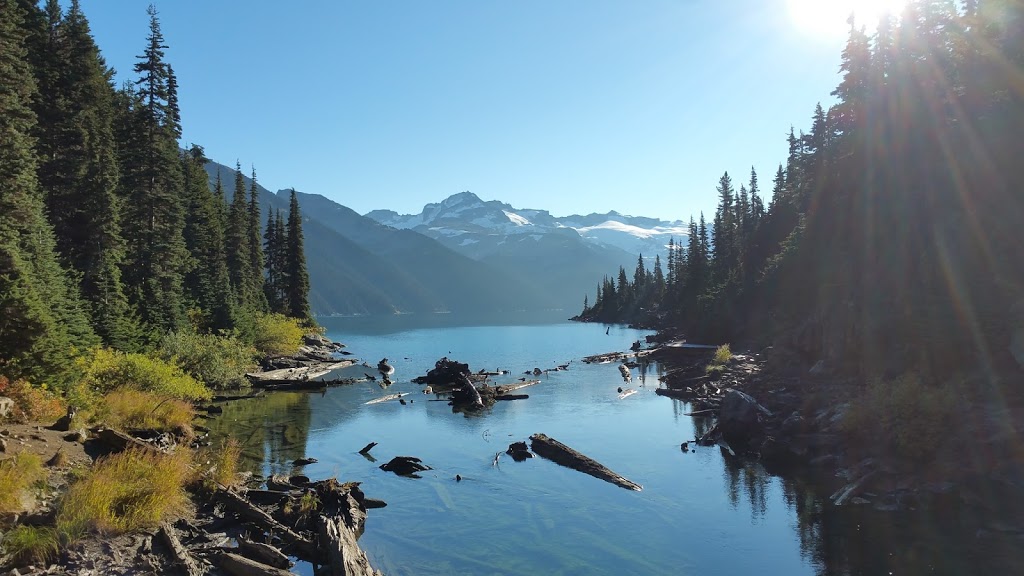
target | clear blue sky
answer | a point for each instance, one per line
(573, 106)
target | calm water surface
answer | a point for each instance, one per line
(699, 512)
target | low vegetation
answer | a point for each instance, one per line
(17, 476)
(222, 464)
(37, 403)
(128, 409)
(904, 414)
(217, 361)
(723, 354)
(129, 491)
(31, 544)
(105, 370)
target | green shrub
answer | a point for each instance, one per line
(217, 361)
(277, 335)
(129, 491)
(107, 370)
(904, 414)
(18, 474)
(36, 544)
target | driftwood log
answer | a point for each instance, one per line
(263, 554)
(303, 547)
(119, 441)
(559, 453)
(181, 555)
(241, 566)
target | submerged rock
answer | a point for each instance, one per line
(405, 466)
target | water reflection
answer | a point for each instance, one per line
(273, 430)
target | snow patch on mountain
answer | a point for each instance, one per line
(516, 218)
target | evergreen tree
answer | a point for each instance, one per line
(297, 276)
(41, 316)
(207, 284)
(271, 286)
(79, 174)
(152, 182)
(256, 256)
(237, 243)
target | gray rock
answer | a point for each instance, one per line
(739, 417)
(6, 405)
(793, 425)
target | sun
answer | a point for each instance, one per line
(828, 17)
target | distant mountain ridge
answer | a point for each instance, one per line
(566, 257)
(358, 266)
(465, 214)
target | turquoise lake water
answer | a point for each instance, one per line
(699, 513)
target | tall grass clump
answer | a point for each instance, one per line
(17, 475)
(903, 414)
(31, 544)
(277, 335)
(126, 409)
(222, 464)
(105, 370)
(723, 354)
(132, 490)
(217, 361)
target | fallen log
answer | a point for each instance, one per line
(267, 497)
(626, 393)
(470, 391)
(506, 388)
(263, 553)
(511, 396)
(241, 566)
(366, 449)
(181, 555)
(119, 441)
(673, 393)
(343, 554)
(386, 398)
(303, 548)
(559, 453)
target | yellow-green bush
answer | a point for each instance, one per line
(222, 464)
(277, 335)
(17, 475)
(125, 492)
(723, 355)
(37, 544)
(128, 408)
(105, 370)
(904, 413)
(36, 403)
(217, 361)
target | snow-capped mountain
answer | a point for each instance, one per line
(476, 227)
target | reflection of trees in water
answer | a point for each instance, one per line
(749, 477)
(273, 429)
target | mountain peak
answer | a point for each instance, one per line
(466, 197)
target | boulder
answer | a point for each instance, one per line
(519, 451)
(6, 406)
(739, 418)
(405, 466)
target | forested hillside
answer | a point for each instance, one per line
(110, 233)
(891, 239)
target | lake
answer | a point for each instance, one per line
(700, 512)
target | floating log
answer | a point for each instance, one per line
(627, 393)
(241, 566)
(506, 388)
(405, 466)
(561, 454)
(181, 555)
(471, 392)
(386, 398)
(263, 553)
(366, 449)
(511, 396)
(303, 547)
(300, 374)
(673, 393)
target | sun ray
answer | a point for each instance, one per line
(829, 17)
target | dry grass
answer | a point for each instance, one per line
(125, 492)
(223, 465)
(722, 355)
(127, 409)
(17, 475)
(34, 544)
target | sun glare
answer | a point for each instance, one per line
(828, 17)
